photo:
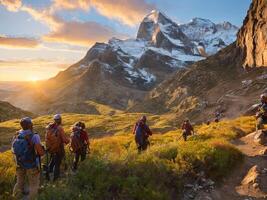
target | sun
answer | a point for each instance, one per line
(33, 79)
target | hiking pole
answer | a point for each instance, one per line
(180, 137)
(47, 175)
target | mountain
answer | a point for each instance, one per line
(120, 73)
(8, 111)
(208, 36)
(219, 83)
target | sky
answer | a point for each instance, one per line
(39, 38)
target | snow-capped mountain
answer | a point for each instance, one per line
(160, 48)
(122, 71)
(208, 36)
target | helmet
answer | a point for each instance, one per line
(57, 117)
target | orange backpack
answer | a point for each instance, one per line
(52, 139)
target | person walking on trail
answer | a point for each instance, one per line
(187, 129)
(142, 133)
(27, 148)
(261, 115)
(55, 140)
(79, 143)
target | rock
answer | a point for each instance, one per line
(189, 186)
(260, 137)
(255, 185)
(263, 152)
(252, 37)
(252, 176)
(264, 171)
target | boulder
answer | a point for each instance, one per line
(263, 152)
(261, 137)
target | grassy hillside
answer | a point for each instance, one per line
(115, 170)
(8, 111)
(97, 125)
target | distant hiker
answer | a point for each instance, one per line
(187, 129)
(217, 116)
(79, 143)
(142, 133)
(27, 149)
(55, 139)
(261, 115)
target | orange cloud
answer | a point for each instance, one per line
(129, 12)
(46, 16)
(74, 32)
(18, 42)
(11, 5)
(81, 33)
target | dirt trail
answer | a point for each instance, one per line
(236, 186)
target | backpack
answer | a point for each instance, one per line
(24, 152)
(139, 137)
(52, 139)
(77, 142)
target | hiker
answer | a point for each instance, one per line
(27, 148)
(217, 116)
(187, 129)
(79, 143)
(261, 115)
(55, 139)
(142, 133)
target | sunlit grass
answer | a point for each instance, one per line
(116, 170)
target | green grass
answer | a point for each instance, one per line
(114, 170)
(97, 125)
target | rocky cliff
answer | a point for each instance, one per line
(252, 37)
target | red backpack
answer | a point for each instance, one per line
(77, 142)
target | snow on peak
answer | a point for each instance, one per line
(212, 37)
(156, 16)
(201, 22)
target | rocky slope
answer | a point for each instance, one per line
(218, 83)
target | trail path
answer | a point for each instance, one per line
(246, 182)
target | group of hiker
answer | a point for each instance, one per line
(28, 149)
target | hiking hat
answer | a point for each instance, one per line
(143, 118)
(57, 117)
(25, 122)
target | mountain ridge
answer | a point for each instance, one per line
(126, 69)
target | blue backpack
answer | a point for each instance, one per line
(23, 149)
(139, 134)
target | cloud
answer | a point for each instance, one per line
(11, 5)
(46, 16)
(73, 32)
(129, 12)
(81, 33)
(18, 42)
